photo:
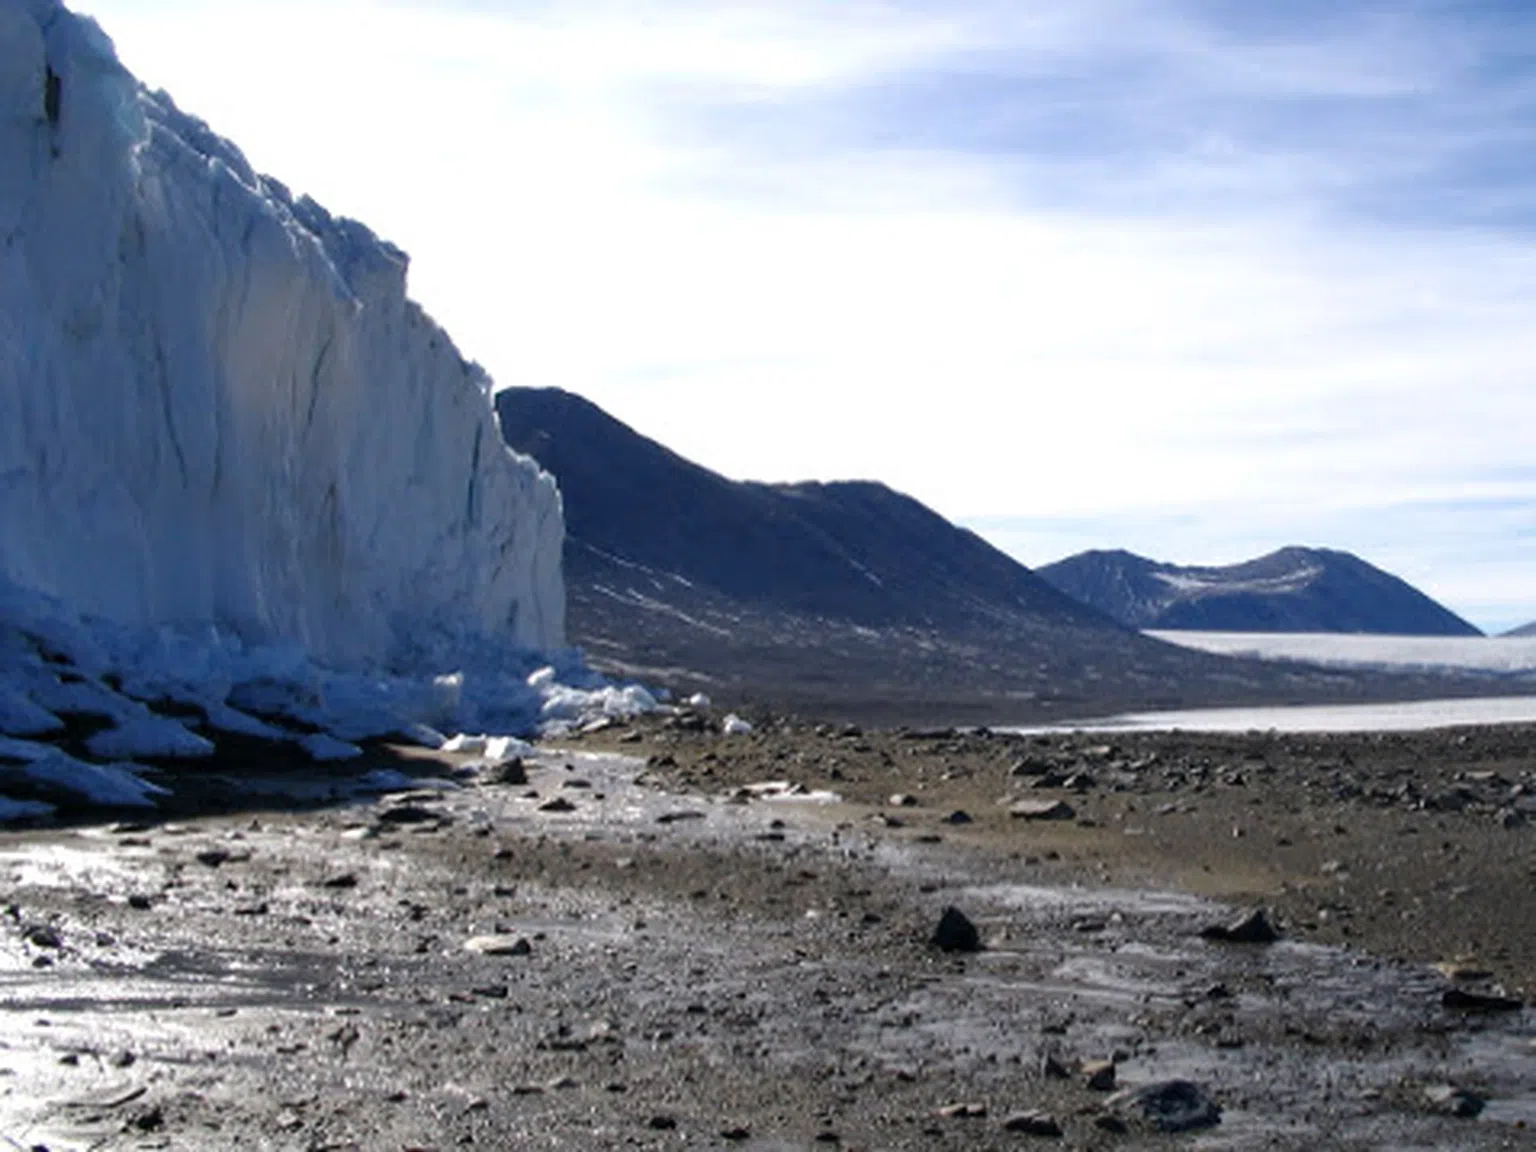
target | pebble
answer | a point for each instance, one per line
(1041, 810)
(1098, 1075)
(1253, 927)
(1032, 1123)
(1448, 1100)
(498, 945)
(962, 1111)
(1171, 1105)
(956, 932)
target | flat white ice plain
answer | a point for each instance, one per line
(1503, 659)
(1415, 716)
(1513, 656)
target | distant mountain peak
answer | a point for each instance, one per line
(1292, 589)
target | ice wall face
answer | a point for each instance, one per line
(216, 402)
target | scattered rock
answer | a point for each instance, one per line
(558, 804)
(1109, 1122)
(1052, 1068)
(902, 800)
(661, 1123)
(340, 880)
(736, 1133)
(1030, 766)
(139, 902)
(43, 936)
(956, 933)
(965, 1111)
(212, 857)
(680, 815)
(498, 945)
(1253, 927)
(1032, 1123)
(1041, 810)
(512, 771)
(1462, 971)
(410, 814)
(1448, 1100)
(1170, 1105)
(1464, 1001)
(1098, 1075)
(958, 816)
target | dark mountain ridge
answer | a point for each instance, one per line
(844, 599)
(1291, 590)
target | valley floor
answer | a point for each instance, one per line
(636, 948)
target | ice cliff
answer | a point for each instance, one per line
(217, 405)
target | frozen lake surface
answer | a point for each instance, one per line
(1406, 717)
(1513, 656)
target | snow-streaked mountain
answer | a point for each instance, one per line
(219, 407)
(843, 599)
(1291, 590)
(1523, 630)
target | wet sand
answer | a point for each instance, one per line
(663, 960)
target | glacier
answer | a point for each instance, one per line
(219, 403)
(242, 474)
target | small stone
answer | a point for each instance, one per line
(410, 814)
(43, 936)
(902, 800)
(512, 771)
(1041, 810)
(1170, 1105)
(1463, 1001)
(661, 1123)
(340, 880)
(212, 857)
(736, 1134)
(956, 933)
(1032, 1123)
(1448, 1100)
(1462, 971)
(964, 1111)
(1052, 1068)
(558, 804)
(1253, 927)
(958, 816)
(139, 902)
(1099, 1075)
(680, 815)
(498, 945)
(1109, 1122)
(1030, 766)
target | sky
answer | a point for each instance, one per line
(1196, 278)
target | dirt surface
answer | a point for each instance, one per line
(636, 949)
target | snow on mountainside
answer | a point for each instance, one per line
(1523, 630)
(1291, 590)
(240, 472)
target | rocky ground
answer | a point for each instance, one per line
(641, 945)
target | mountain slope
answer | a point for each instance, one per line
(840, 599)
(1523, 630)
(221, 395)
(1291, 590)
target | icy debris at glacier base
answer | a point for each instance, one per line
(115, 696)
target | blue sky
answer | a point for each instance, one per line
(1198, 278)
